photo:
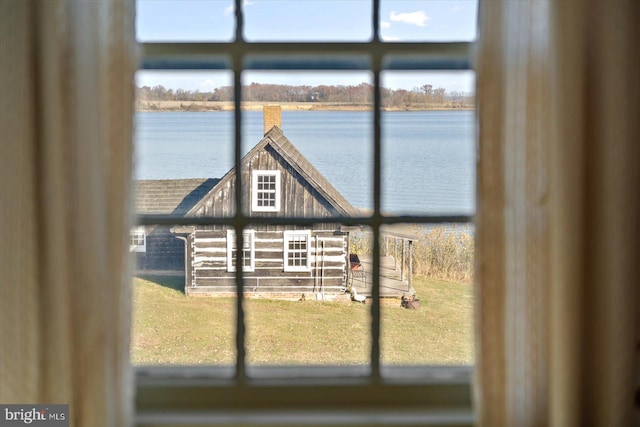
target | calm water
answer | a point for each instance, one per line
(428, 156)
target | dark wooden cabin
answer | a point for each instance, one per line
(282, 261)
(278, 261)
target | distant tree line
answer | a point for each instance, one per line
(424, 96)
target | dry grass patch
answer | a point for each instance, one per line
(440, 332)
(170, 328)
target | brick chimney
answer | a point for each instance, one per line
(272, 117)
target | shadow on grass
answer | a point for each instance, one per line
(168, 281)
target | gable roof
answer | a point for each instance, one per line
(275, 139)
(170, 196)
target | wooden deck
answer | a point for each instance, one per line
(391, 284)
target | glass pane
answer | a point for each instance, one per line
(428, 143)
(309, 20)
(428, 20)
(184, 20)
(171, 325)
(431, 323)
(306, 316)
(183, 136)
(327, 119)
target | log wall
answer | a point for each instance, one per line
(209, 272)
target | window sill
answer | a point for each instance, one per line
(310, 395)
(448, 418)
(297, 270)
(266, 209)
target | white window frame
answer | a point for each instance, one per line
(287, 237)
(255, 192)
(231, 241)
(137, 232)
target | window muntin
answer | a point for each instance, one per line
(248, 250)
(265, 195)
(297, 251)
(138, 239)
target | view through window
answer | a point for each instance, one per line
(314, 278)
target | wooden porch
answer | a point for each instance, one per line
(394, 281)
(396, 264)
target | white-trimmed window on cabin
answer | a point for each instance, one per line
(138, 239)
(248, 250)
(297, 251)
(265, 191)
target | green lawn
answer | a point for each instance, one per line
(169, 328)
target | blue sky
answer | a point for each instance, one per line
(307, 20)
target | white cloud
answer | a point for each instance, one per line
(455, 8)
(415, 18)
(232, 7)
(391, 39)
(385, 24)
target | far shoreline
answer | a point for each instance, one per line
(218, 106)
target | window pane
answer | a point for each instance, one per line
(308, 20)
(326, 117)
(184, 20)
(298, 250)
(428, 148)
(433, 321)
(248, 255)
(428, 20)
(170, 327)
(183, 134)
(305, 316)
